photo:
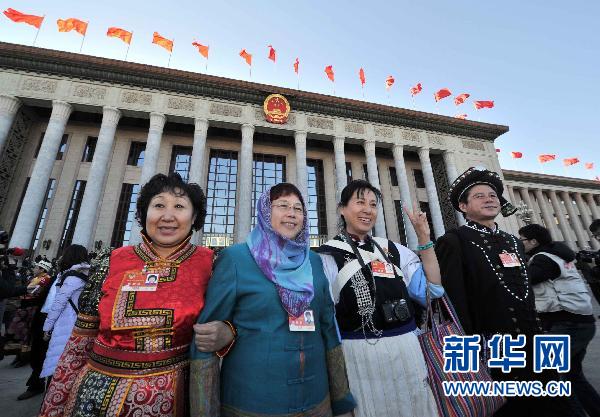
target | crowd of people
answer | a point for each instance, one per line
(270, 327)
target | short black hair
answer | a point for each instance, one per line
(173, 183)
(357, 187)
(285, 188)
(595, 226)
(537, 232)
(72, 255)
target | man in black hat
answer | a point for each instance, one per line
(485, 276)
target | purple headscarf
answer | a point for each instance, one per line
(285, 262)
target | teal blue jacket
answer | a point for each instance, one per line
(270, 370)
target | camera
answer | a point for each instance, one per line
(395, 310)
(588, 256)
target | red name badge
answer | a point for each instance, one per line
(139, 281)
(509, 260)
(382, 269)
(305, 322)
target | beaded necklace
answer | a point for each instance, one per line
(522, 268)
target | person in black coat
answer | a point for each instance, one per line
(564, 306)
(484, 273)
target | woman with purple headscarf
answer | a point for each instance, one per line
(285, 358)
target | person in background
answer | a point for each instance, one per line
(564, 306)
(74, 269)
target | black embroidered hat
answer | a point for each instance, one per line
(475, 176)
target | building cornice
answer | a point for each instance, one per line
(551, 180)
(78, 66)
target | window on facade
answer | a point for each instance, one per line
(317, 213)
(400, 219)
(424, 207)
(12, 227)
(348, 172)
(125, 215)
(419, 180)
(181, 159)
(221, 192)
(61, 149)
(72, 214)
(90, 149)
(44, 213)
(267, 170)
(393, 177)
(136, 154)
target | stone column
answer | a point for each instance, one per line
(157, 123)
(587, 220)
(301, 176)
(369, 144)
(36, 191)
(8, 110)
(589, 198)
(546, 214)
(582, 237)
(563, 224)
(411, 236)
(434, 203)
(244, 217)
(197, 162)
(96, 179)
(452, 174)
(513, 200)
(340, 166)
(527, 199)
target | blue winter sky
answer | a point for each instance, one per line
(538, 60)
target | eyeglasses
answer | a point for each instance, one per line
(285, 207)
(524, 239)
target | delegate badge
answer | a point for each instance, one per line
(139, 281)
(509, 260)
(305, 322)
(382, 269)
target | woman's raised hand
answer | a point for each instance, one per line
(419, 222)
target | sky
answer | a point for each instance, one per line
(538, 60)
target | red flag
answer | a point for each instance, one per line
(329, 72)
(443, 93)
(589, 165)
(461, 116)
(70, 24)
(19, 17)
(460, 99)
(416, 89)
(246, 56)
(272, 53)
(516, 155)
(483, 104)
(389, 82)
(164, 42)
(203, 49)
(570, 161)
(546, 158)
(361, 76)
(122, 34)
(497, 150)
(296, 65)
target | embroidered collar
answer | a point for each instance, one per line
(166, 267)
(481, 228)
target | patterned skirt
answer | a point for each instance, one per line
(98, 388)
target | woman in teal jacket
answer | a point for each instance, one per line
(286, 358)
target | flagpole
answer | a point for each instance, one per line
(171, 53)
(362, 87)
(85, 34)
(128, 45)
(38, 31)
(298, 77)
